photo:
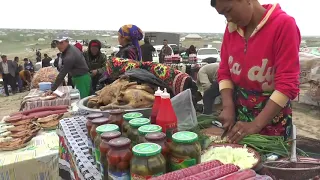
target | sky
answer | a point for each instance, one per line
(149, 15)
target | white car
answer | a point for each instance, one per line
(204, 53)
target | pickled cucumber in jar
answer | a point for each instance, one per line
(185, 151)
(147, 161)
(133, 130)
(145, 129)
(127, 117)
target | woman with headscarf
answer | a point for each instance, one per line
(129, 37)
(191, 50)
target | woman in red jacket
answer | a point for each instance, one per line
(259, 69)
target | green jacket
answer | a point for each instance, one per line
(97, 63)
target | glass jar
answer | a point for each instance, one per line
(119, 157)
(102, 129)
(160, 139)
(116, 117)
(185, 150)
(93, 133)
(133, 130)
(127, 117)
(89, 126)
(104, 149)
(145, 129)
(147, 161)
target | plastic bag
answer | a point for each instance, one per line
(46, 74)
(184, 109)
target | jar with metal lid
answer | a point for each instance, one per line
(185, 150)
(145, 129)
(93, 133)
(127, 117)
(102, 129)
(133, 130)
(119, 157)
(104, 149)
(116, 117)
(89, 126)
(147, 161)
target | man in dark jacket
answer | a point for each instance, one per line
(46, 61)
(147, 50)
(96, 61)
(8, 70)
(74, 64)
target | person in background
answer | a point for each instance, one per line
(38, 54)
(46, 61)
(259, 69)
(129, 37)
(19, 69)
(58, 62)
(207, 79)
(147, 50)
(78, 45)
(74, 64)
(28, 65)
(191, 50)
(165, 51)
(8, 70)
(96, 61)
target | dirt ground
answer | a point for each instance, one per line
(306, 118)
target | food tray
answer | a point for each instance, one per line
(250, 150)
(82, 106)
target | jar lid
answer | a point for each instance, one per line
(107, 128)
(94, 115)
(119, 142)
(138, 122)
(146, 149)
(132, 115)
(145, 129)
(110, 135)
(100, 121)
(155, 136)
(116, 111)
(184, 137)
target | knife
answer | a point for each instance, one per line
(224, 134)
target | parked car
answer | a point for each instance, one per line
(204, 53)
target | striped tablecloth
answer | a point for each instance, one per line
(75, 162)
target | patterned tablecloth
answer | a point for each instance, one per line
(32, 99)
(75, 162)
(37, 161)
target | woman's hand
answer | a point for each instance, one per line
(227, 117)
(241, 130)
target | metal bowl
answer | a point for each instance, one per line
(82, 105)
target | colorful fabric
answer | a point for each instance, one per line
(133, 34)
(83, 84)
(174, 78)
(250, 103)
(269, 60)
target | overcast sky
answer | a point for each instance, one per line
(149, 15)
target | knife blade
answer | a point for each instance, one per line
(224, 134)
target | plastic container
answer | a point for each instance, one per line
(160, 139)
(127, 117)
(119, 157)
(104, 149)
(45, 86)
(143, 130)
(116, 117)
(147, 161)
(185, 151)
(166, 117)
(93, 133)
(156, 106)
(89, 126)
(102, 129)
(132, 133)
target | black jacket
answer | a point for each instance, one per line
(147, 50)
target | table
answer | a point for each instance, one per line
(75, 162)
(37, 161)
